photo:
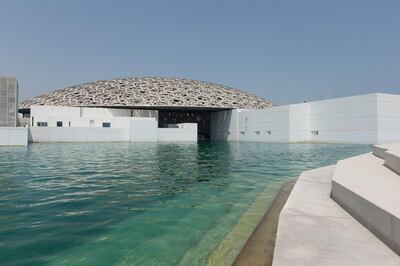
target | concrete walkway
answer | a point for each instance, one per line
(314, 230)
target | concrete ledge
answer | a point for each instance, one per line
(13, 136)
(390, 153)
(259, 248)
(379, 151)
(76, 134)
(392, 160)
(369, 191)
(183, 132)
(315, 230)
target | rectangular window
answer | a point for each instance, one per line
(314, 132)
(42, 124)
(257, 133)
(59, 123)
(269, 132)
(242, 133)
(106, 124)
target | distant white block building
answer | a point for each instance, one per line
(82, 124)
(369, 119)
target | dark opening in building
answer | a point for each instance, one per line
(168, 118)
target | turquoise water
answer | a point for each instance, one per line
(138, 204)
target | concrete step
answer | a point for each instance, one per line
(379, 151)
(392, 160)
(314, 230)
(370, 192)
(391, 154)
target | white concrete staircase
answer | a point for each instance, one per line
(368, 188)
(314, 230)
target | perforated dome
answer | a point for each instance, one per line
(150, 92)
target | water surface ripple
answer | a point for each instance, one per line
(138, 204)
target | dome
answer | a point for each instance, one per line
(152, 93)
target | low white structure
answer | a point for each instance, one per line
(370, 119)
(63, 116)
(79, 124)
(182, 132)
(13, 136)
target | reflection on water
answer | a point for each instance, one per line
(147, 203)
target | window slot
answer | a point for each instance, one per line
(42, 124)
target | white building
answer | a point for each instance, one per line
(371, 119)
(132, 109)
(170, 109)
(80, 124)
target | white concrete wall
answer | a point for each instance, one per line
(77, 134)
(138, 130)
(350, 119)
(13, 136)
(267, 125)
(133, 129)
(288, 123)
(41, 112)
(224, 125)
(388, 118)
(85, 116)
(184, 132)
(299, 122)
(101, 113)
(371, 119)
(278, 124)
(143, 130)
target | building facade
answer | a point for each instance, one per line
(8, 101)
(171, 101)
(85, 124)
(171, 109)
(365, 119)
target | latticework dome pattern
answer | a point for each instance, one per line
(151, 92)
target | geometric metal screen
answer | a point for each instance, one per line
(151, 92)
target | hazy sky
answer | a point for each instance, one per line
(286, 51)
